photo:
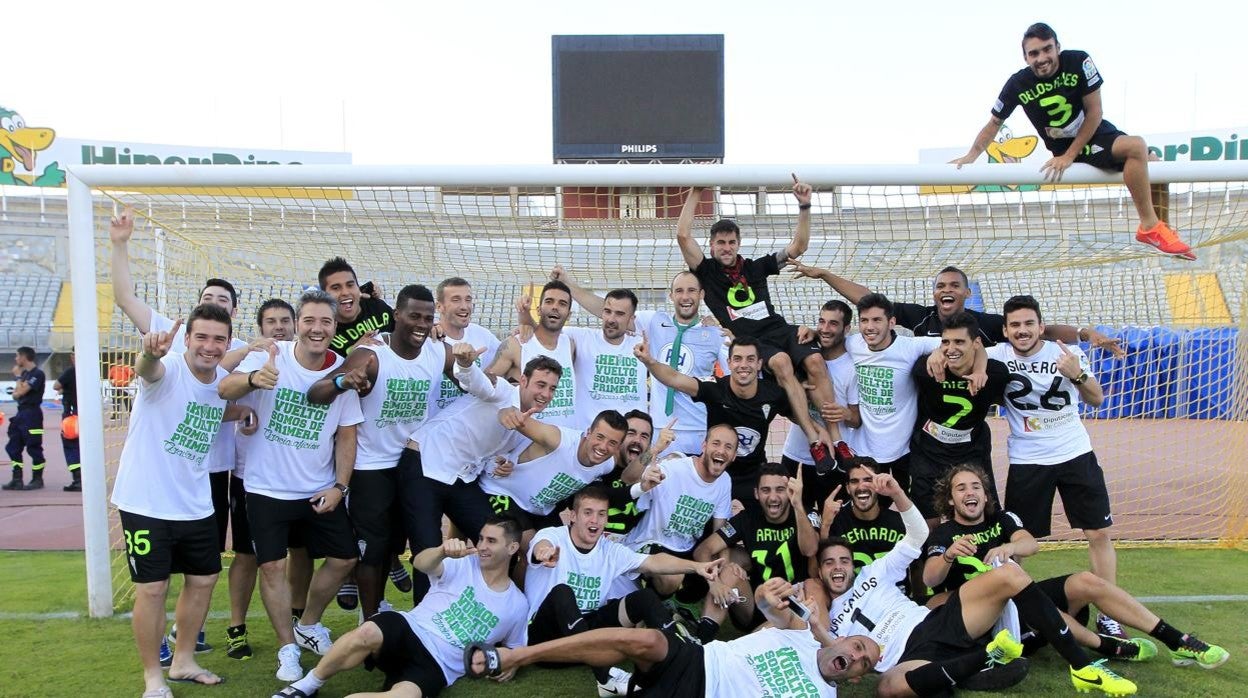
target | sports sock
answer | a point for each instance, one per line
(708, 629)
(1116, 647)
(936, 677)
(309, 684)
(1036, 610)
(296, 612)
(644, 606)
(1174, 639)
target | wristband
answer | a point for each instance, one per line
(1080, 379)
(338, 383)
(803, 207)
(249, 383)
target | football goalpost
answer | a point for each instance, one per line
(1170, 435)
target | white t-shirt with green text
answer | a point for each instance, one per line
(174, 422)
(538, 485)
(398, 403)
(589, 574)
(677, 509)
(291, 455)
(771, 662)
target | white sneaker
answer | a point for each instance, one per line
(288, 668)
(616, 685)
(314, 638)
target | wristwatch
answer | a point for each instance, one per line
(342, 488)
(1080, 379)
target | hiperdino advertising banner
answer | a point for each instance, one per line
(32, 154)
(1206, 145)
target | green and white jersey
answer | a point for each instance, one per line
(399, 402)
(164, 469)
(461, 609)
(608, 376)
(771, 662)
(561, 410)
(590, 574)
(537, 485)
(677, 510)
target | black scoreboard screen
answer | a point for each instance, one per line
(638, 97)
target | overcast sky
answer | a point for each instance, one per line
(470, 82)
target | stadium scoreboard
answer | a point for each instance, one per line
(638, 97)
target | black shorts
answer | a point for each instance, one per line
(783, 338)
(240, 529)
(941, 635)
(221, 504)
(503, 505)
(326, 535)
(374, 508)
(1099, 152)
(403, 657)
(1029, 494)
(158, 548)
(682, 672)
(925, 472)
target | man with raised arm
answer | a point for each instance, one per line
(162, 489)
(549, 339)
(737, 294)
(950, 291)
(745, 400)
(456, 304)
(677, 338)
(1060, 91)
(298, 474)
(421, 651)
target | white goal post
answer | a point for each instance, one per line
(82, 180)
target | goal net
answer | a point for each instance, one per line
(1170, 436)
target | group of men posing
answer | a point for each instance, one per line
(596, 479)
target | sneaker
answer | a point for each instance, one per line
(824, 462)
(844, 455)
(401, 579)
(314, 638)
(14, 484)
(1163, 237)
(1096, 677)
(1136, 649)
(1211, 657)
(998, 677)
(36, 483)
(1004, 648)
(200, 645)
(288, 668)
(236, 641)
(166, 653)
(616, 685)
(1108, 626)
(75, 486)
(348, 597)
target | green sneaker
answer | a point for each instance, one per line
(1147, 649)
(1004, 648)
(1097, 677)
(1211, 658)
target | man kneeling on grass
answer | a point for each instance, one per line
(791, 659)
(472, 600)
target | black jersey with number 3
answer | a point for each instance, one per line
(1054, 105)
(993, 531)
(951, 420)
(772, 547)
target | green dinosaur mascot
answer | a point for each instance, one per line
(18, 142)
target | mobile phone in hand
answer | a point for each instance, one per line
(799, 609)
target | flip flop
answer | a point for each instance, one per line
(292, 692)
(195, 678)
(162, 692)
(493, 663)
